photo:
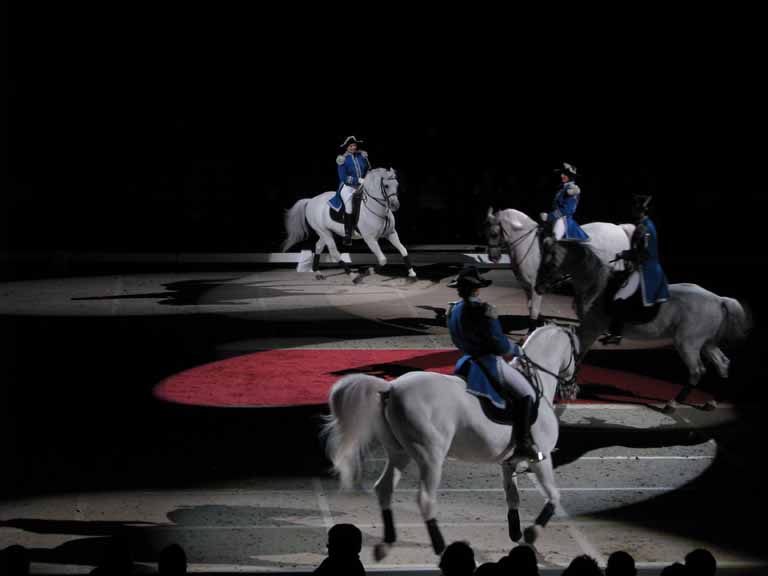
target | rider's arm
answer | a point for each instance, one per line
(572, 190)
(640, 240)
(341, 167)
(501, 344)
(642, 249)
(344, 174)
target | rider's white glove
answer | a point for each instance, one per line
(544, 216)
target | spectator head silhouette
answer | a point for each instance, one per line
(490, 569)
(14, 561)
(620, 563)
(344, 540)
(675, 569)
(172, 560)
(458, 559)
(700, 562)
(583, 565)
(520, 561)
(344, 544)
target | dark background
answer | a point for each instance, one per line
(165, 130)
(134, 129)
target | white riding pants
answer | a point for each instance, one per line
(513, 380)
(629, 287)
(558, 228)
(346, 196)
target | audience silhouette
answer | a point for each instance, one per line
(344, 544)
(458, 559)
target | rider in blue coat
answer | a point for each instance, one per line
(645, 270)
(475, 330)
(564, 227)
(353, 165)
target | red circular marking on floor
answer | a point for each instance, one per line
(304, 377)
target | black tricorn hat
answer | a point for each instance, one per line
(641, 201)
(350, 140)
(469, 277)
(566, 168)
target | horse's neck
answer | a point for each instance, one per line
(547, 351)
(525, 251)
(589, 274)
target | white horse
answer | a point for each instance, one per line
(377, 219)
(521, 236)
(696, 319)
(425, 417)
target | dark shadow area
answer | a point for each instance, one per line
(393, 369)
(210, 534)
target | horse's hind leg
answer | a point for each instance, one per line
(718, 359)
(546, 476)
(394, 239)
(513, 501)
(384, 488)
(430, 462)
(327, 237)
(319, 246)
(691, 355)
(721, 363)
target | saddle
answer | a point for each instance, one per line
(337, 214)
(504, 416)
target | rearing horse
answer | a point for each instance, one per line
(377, 219)
(696, 319)
(520, 236)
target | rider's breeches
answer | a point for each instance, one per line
(513, 381)
(346, 196)
(629, 287)
(558, 228)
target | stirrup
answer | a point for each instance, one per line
(611, 339)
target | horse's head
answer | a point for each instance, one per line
(494, 234)
(382, 184)
(553, 255)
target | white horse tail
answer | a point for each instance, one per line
(295, 224)
(738, 320)
(356, 415)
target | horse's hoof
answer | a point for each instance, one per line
(319, 276)
(531, 534)
(370, 270)
(380, 551)
(357, 278)
(670, 407)
(709, 406)
(411, 274)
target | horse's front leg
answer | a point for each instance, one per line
(394, 239)
(373, 244)
(513, 501)
(534, 307)
(546, 476)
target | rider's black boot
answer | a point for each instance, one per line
(524, 445)
(347, 229)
